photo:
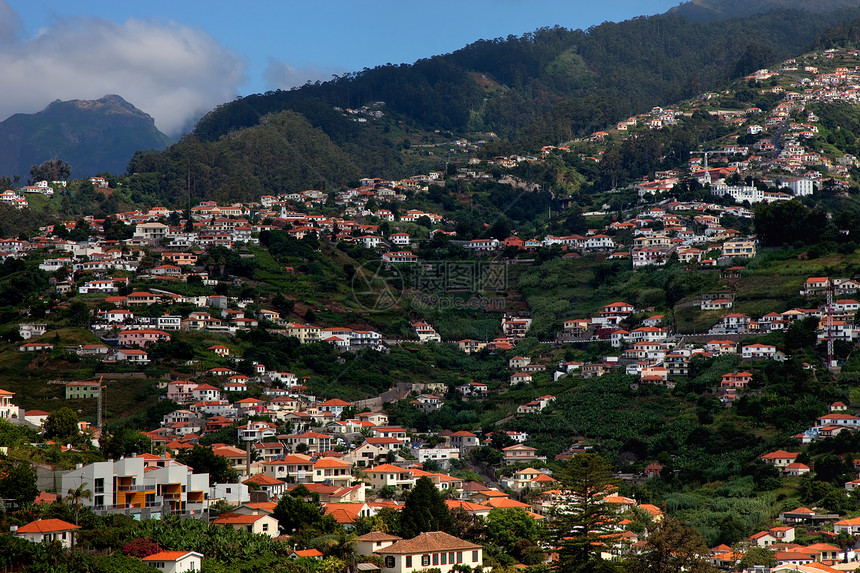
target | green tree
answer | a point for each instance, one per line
(61, 425)
(758, 556)
(50, 170)
(516, 533)
(295, 512)
(124, 442)
(672, 547)
(204, 460)
(579, 524)
(424, 510)
(18, 483)
(387, 492)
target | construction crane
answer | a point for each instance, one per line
(99, 406)
(831, 362)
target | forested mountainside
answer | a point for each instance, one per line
(711, 10)
(540, 88)
(505, 85)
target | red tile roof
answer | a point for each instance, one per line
(47, 526)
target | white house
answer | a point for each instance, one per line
(432, 549)
(758, 351)
(8, 410)
(175, 561)
(48, 530)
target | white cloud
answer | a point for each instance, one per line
(172, 72)
(9, 23)
(283, 75)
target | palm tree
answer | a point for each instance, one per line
(340, 544)
(76, 497)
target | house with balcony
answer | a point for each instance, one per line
(389, 475)
(181, 391)
(257, 431)
(394, 432)
(314, 442)
(528, 478)
(331, 471)
(736, 380)
(515, 327)
(759, 352)
(129, 486)
(8, 410)
(142, 337)
(739, 249)
(292, 468)
(428, 402)
(425, 332)
(519, 453)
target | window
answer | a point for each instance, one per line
(459, 557)
(435, 559)
(389, 562)
(265, 527)
(229, 490)
(451, 558)
(444, 560)
(408, 561)
(425, 560)
(475, 556)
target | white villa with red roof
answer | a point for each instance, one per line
(780, 458)
(48, 530)
(175, 561)
(839, 419)
(432, 549)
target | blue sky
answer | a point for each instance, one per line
(163, 54)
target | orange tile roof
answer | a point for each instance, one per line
(504, 502)
(466, 505)
(237, 519)
(263, 479)
(167, 556)
(47, 526)
(331, 463)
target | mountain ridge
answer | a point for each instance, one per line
(710, 10)
(93, 136)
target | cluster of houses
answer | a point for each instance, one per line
(782, 144)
